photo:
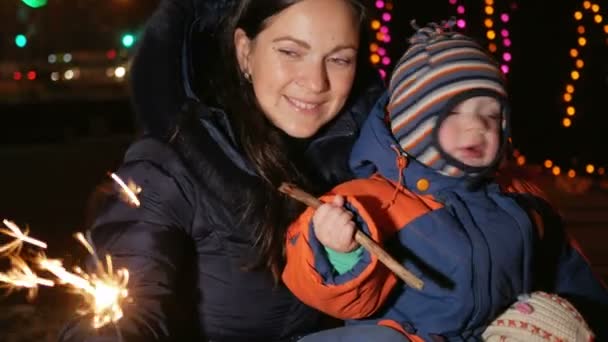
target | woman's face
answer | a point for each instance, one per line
(302, 64)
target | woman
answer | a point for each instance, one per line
(275, 91)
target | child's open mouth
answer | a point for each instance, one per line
(474, 151)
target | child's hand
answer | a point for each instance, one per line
(334, 226)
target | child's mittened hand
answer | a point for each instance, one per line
(334, 226)
(539, 317)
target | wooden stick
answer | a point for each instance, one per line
(370, 245)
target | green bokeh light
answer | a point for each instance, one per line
(34, 3)
(128, 40)
(20, 40)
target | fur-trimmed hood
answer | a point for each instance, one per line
(162, 73)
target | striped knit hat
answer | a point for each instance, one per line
(440, 69)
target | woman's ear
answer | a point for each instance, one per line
(242, 45)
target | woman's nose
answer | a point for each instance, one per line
(315, 78)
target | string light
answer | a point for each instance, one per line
(570, 111)
(588, 7)
(380, 26)
(461, 10)
(498, 34)
(496, 24)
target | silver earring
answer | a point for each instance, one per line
(247, 76)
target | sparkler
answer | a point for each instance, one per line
(129, 190)
(14, 247)
(104, 291)
(21, 276)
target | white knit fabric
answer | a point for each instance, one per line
(539, 317)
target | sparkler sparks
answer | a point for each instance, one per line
(14, 247)
(21, 276)
(103, 291)
(129, 191)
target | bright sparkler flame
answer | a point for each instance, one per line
(21, 276)
(14, 247)
(129, 191)
(103, 292)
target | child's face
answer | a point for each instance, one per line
(471, 131)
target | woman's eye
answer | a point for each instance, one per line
(289, 53)
(341, 61)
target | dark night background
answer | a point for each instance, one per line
(59, 139)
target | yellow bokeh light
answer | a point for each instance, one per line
(375, 24)
(595, 8)
(567, 122)
(521, 160)
(548, 163)
(578, 15)
(380, 36)
(488, 23)
(492, 47)
(582, 41)
(569, 88)
(571, 173)
(590, 168)
(587, 4)
(573, 53)
(489, 10)
(556, 170)
(598, 18)
(373, 47)
(375, 58)
(489, 2)
(575, 75)
(580, 29)
(580, 63)
(491, 35)
(567, 97)
(606, 29)
(570, 110)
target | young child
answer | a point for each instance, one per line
(427, 159)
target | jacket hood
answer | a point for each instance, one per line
(162, 73)
(377, 151)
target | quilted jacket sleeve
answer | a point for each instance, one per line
(152, 242)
